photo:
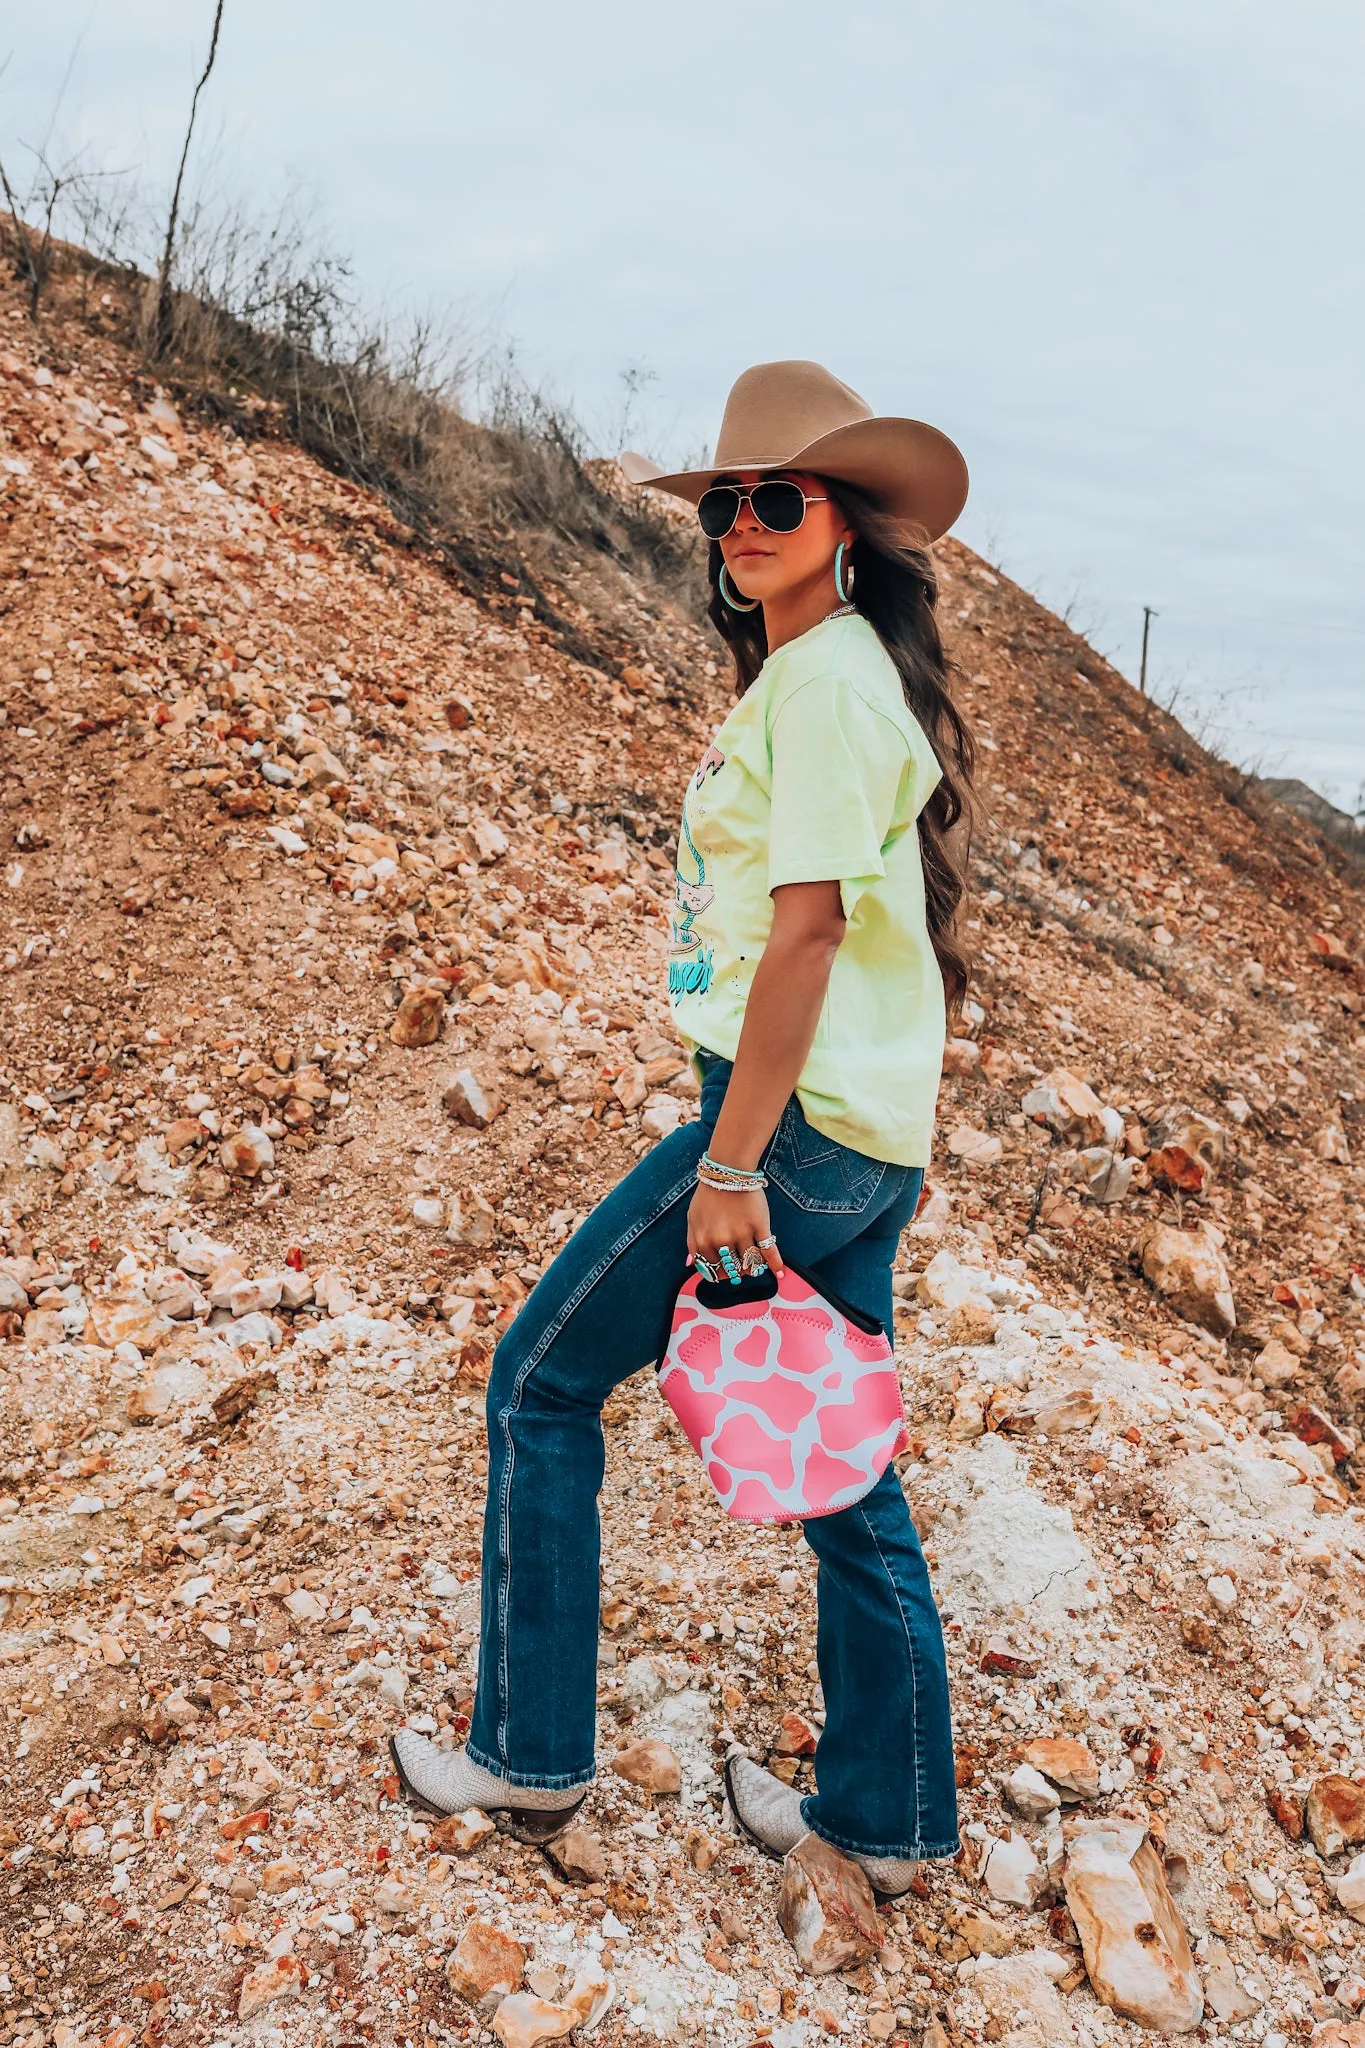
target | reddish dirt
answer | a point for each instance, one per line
(273, 768)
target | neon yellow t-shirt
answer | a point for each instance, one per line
(819, 774)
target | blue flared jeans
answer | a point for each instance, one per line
(884, 1765)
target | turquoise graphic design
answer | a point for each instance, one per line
(689, 961)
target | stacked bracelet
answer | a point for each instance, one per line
(739, 1180)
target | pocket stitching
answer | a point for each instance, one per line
(852, 1199)
(788, 1139)
(787, 1158)
(869, 1177)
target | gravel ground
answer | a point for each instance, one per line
(331, 991)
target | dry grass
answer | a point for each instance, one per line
(478, 463)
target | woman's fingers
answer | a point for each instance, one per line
(720, 1221)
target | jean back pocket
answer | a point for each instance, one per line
(816, 1172)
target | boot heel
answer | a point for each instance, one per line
(529, 1824)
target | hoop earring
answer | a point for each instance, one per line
(736, 604)
(843, 578)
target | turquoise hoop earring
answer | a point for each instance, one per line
(843, 582)
(736, 604)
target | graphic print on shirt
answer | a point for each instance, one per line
(689, 961)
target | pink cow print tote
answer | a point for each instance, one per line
(788, 1395)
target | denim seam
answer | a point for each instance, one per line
(861, 1848)
(848, 1207)
(551, 1331)
(914, 1666)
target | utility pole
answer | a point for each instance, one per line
(1147, 616)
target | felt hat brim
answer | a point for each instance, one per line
(910, 470)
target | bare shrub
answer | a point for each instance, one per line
(268, 308)
(28, 237)
(266, 329)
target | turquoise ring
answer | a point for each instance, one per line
(730, 1263)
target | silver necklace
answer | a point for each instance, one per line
(841, 611)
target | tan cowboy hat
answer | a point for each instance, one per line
(798, 416)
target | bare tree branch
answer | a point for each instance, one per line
(35, 252)
(26, 264)
(161, 338)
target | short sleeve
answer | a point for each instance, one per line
(838, 770)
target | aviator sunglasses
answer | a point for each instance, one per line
(778, 504)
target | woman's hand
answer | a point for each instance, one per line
(718, 1218)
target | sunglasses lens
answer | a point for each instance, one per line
(717, 510)
(781, 506)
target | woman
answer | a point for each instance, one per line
(813, 944)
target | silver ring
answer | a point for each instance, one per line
(765, 1242)
(753, 1260)
(706, 1269)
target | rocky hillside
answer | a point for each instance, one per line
(336, 883)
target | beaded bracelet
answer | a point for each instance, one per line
(735, 1179)
(733, 1187)
(729, 1172)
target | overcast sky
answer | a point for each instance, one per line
(1114, 249)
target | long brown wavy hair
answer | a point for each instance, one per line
(895, 587)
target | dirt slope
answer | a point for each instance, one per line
(282, 795)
